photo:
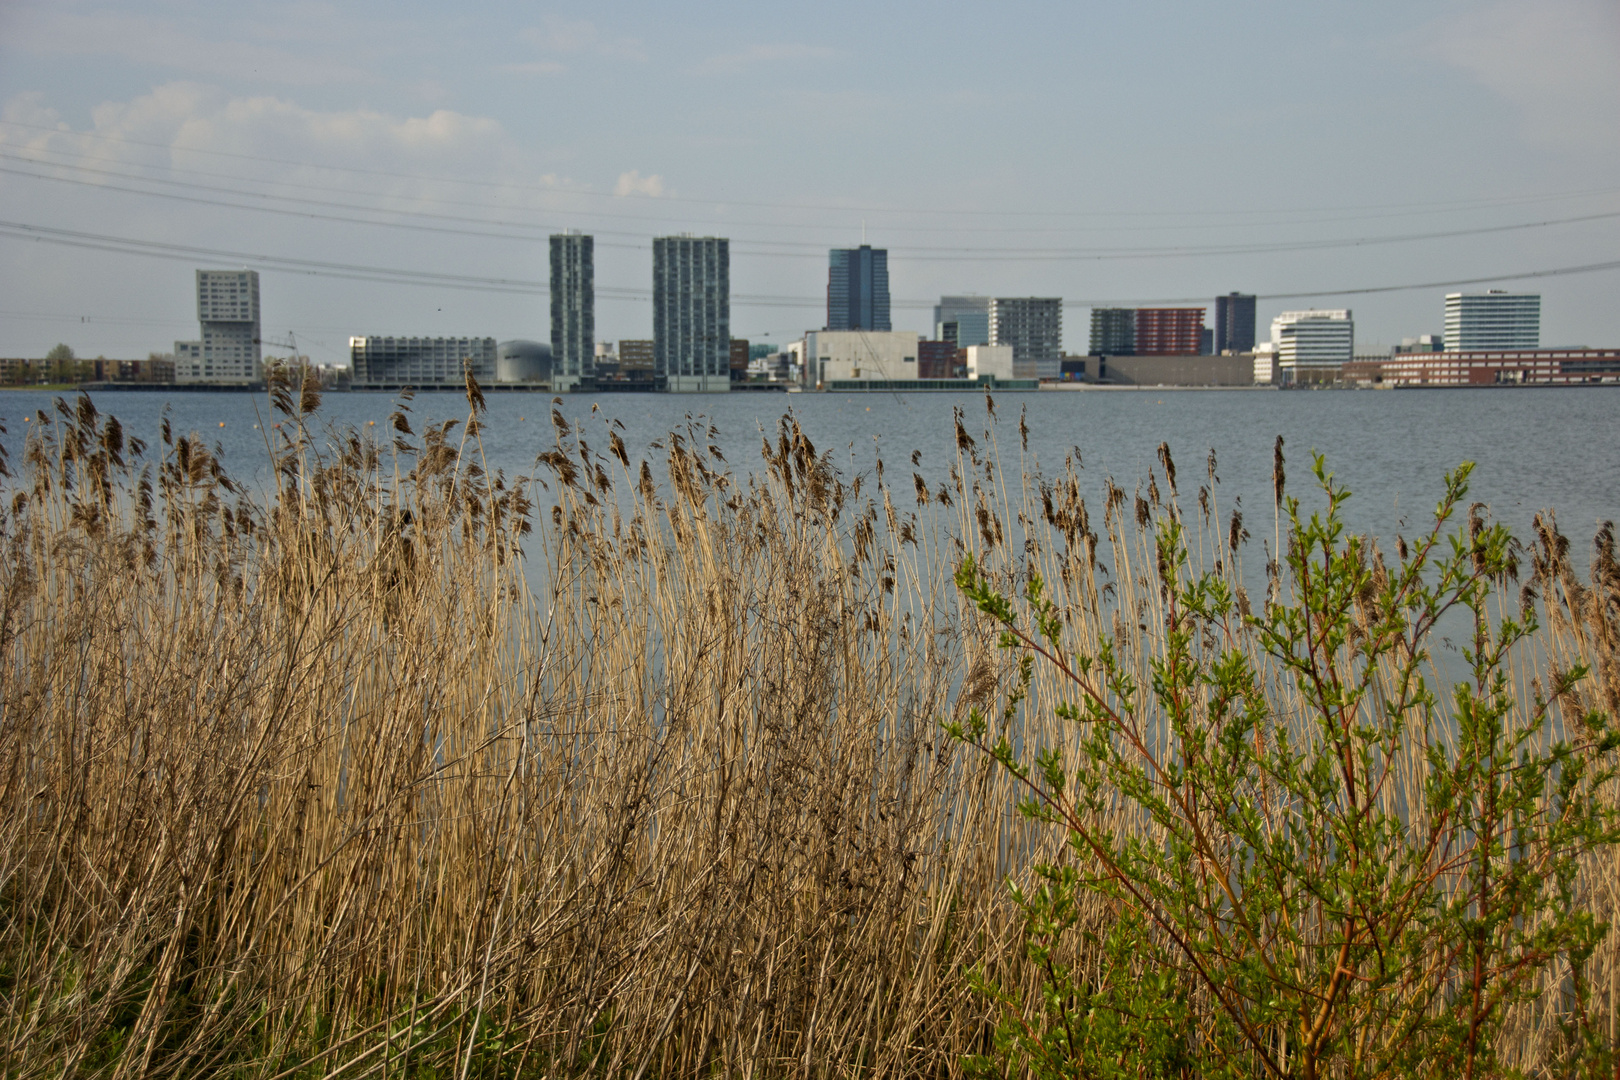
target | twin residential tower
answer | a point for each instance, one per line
(691, 312)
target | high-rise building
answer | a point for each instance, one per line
(1113, 331)
(228, 310)
(1234, 323)
(1493, 320)
(692, 313)
(573, 310)
(970, 315)
(1033, 326)
(388, 363)
(1312, 344)
(858, 288)
(1169, 331)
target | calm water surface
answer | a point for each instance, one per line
(1532, 448)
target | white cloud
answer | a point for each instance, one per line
(754, 56)
(1556, 61)
(633, 183)
(199, 129)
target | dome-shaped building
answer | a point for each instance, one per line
(522, 361)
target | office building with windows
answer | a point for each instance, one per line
(393, 363)
(1492, 320)
(1312, 345)
(229, 350)
(1033, 326)
(1113, 331)
(692, 313)
(858, 289)
(1234, 324)
(962, 320)
(636, 358)
(1147, 332)
(573, 310)
(1169, 331)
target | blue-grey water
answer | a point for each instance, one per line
(1533, 448)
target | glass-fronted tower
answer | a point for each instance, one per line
(692, 313)
(1493, 320)
(858, 288)
(573, 310)
(968, 315)
(1234, 323)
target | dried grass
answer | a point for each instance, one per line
(358, 777)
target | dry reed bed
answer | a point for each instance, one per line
(359, 777)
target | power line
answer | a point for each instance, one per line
(915, 254)
(595, 214)
(392, 276)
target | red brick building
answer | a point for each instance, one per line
(939, 359)
(1498, 367)
(1169, 331)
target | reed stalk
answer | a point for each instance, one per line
(633, 768)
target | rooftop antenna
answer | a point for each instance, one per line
(863, 232)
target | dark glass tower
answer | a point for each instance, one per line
(858, 288)
(1234, 323)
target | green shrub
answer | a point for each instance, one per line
(1318, 866)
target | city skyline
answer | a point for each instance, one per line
(311, 146)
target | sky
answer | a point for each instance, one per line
(396, 168)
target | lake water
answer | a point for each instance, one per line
(1533, 448)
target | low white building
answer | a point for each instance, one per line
(995, 361)
(1312, 343)
(828, 356)
(1265, 361)
(798, 370)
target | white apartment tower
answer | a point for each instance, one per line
(229, 352)
(692, 313)
(1033, 326)
(1492, 320)
(573, 310)
(1306, 341)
